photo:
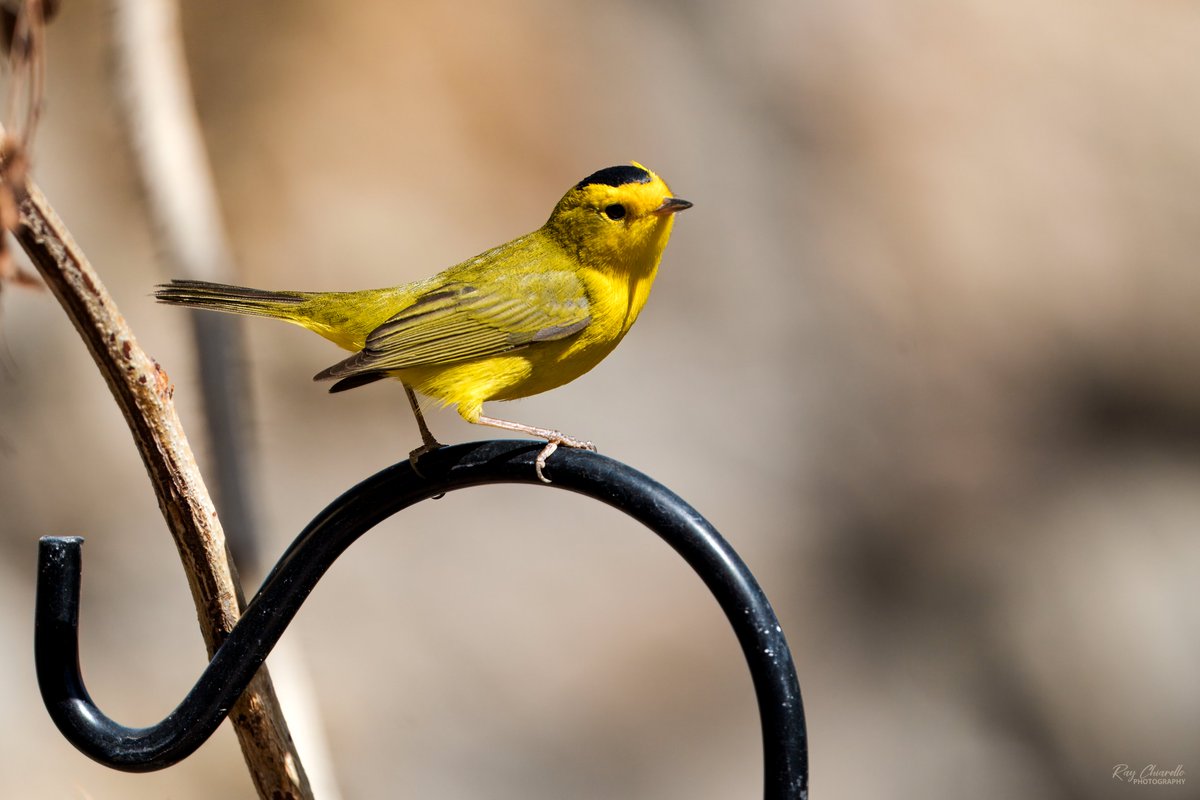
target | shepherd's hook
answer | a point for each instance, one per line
(785, 745)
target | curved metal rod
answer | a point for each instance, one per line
(56, 644)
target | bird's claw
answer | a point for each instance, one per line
(414, 456)
(539, 463)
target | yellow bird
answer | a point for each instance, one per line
(522, 318)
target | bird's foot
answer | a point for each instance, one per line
(552, 444)
(415, 456)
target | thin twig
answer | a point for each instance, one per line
(152, 85)
(22, 40)
(144, 394)
(163, 130)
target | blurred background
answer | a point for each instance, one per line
(925, 351)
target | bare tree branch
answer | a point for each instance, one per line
(144, 395)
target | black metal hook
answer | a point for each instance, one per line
(785, 746)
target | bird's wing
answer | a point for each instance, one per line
(459, 321)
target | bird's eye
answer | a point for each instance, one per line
(614, 211)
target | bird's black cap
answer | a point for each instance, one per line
(615, 176)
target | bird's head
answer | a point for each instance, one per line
(617, 219)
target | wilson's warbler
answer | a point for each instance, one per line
(522, 318)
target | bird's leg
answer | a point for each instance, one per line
(553, 440)
(429, 443)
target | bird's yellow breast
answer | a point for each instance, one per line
(614, 303)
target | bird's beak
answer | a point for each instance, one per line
(670, 206)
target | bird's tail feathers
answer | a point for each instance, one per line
(233, 299)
